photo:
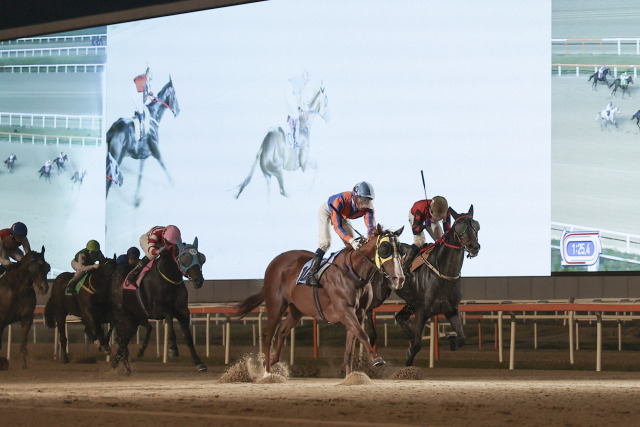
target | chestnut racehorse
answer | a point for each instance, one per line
(344, 296)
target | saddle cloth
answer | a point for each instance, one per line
(128, 286)
(304, 273)
(418, 261)
(80, 284)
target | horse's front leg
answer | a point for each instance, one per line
(173, 344)
(458, 340)
(183, 318)
(136, 198)
(25, 323)
(146, 340)
(372, 328)
(350, 320)
(416, 340)
(155, 152)
(349, 352)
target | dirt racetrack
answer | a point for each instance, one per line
(82, 394)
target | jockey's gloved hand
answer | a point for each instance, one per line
(354, 243)
(427, 222)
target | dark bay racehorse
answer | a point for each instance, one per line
(45, 171)
(596, 78)
(10, 162)
(618, 85)
(60, 163)
(122, 140)
(78, 177)
(276, 155)
(344, 297)
(435, 288)
(162, 295)
(91, 304)
(17, 296)
(637, 117)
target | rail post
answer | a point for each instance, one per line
(512, 344)
(599, 342)
(500, 357)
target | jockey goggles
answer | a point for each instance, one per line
(386, 249)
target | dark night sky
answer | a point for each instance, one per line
(20, 13)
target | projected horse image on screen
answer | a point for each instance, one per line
(123, 139)
(288, 149)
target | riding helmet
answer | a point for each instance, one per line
(93, 245)
(19, 229)
(364, 189)
(172, 234)
(133, 251)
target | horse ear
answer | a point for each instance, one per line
(42, 250)
(399, 232)
(471, 211)
(195, 242)
(179, 244)
(453, 213)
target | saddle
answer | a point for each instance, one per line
(419, 260)
(89, 288)
(324, 264)
(129, 287)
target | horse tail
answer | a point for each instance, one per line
(248, 305)
(248, 178)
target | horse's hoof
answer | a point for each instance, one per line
(140, 354)
(173, 353)
(201, 367)
(379, 361)
(453, 344)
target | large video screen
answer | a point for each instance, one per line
(595, 149)
(375, 90)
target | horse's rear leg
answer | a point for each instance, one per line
(26, 323)
(173, 344)
(183, 318)
(275, 310)
(61, 322)
(290, 322)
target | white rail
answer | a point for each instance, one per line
(27, 138)
(53, 68)
(51, 121)
(577, 69)
(51, 51)
(95, 39)
(608, 45)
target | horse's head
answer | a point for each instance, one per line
(167, 97)
(104, 273)
(190, 262)
(37, 269)
(465, 231)
(386, 253)
(319, 104)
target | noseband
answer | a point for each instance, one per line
(389, 244)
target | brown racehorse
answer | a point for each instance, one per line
(91, 304)
(345, 294)
(17, 297)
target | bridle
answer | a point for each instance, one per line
(387, 247)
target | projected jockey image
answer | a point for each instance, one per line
(286, 148)
(138, 137)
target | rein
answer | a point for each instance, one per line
(156, 99)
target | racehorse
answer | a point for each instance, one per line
(344, 296)
(605, 118)
(10, 162)
(17, 296)
(122, 140)
(45, 171)
(91, 304)
(276, 155)
(618, 85)
(637, 117)
(162, 295)
(60, 163)
(78, 177)
(596, 78)
(435, 287)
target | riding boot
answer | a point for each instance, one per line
(315, 266)
(71, 286)
(406, 266)
(133, 276)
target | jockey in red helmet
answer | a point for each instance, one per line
(153, 243)
(337, 211)
(10, 241)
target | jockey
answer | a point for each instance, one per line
(426, 215)
(61, 157)
(84, 261)
(295, 97)
(337, 211)
(624, 79)
(608, 108)
(131, 258)
(143, 85)
(47, 166)
(153, 243)
(601, 71)
(12, 157)
(10, 241)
